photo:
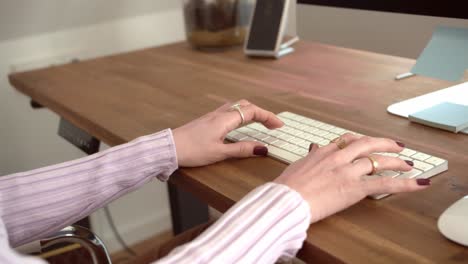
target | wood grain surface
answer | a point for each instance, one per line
(118, 98)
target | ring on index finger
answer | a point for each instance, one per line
(340, 142)
(237, 107)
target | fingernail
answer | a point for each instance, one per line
(311, 146)
(260, 151)
(400, 144)
(423, 182)
(409, 162)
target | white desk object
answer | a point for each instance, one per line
(457, 94)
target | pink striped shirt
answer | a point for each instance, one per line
(268, 224)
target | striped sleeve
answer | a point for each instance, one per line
(270, 223)
(37, 203)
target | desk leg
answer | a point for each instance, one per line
(187, 211)
(81, 140)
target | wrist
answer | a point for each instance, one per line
(293, 192)
(177, 141)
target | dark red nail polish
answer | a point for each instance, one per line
(311, 146)
(423, 182)
(260, 151)
(400, 144)
(409, 162)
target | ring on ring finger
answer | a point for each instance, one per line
(375, 165)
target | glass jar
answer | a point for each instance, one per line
(217, 23)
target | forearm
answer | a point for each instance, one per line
(36, 203)
(268, 224)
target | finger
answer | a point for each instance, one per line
(254, 113)
(394, 185)
(364, 166)
(313, 147)
(365, 146)
(333, 147)
(227, 106)
(245, 149)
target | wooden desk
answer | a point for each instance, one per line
(121, 97)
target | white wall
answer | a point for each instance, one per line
(390, 33)
(21, 18)
(33, 30)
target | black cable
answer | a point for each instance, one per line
(117, 234)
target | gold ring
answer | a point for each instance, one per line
(340, 142)
(375, 165)
(237, 107)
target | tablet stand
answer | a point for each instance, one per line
(286, 48)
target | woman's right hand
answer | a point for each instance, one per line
(331, 179)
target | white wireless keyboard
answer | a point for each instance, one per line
(291, 142)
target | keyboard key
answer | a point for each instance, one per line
(331, 136)
(261, 136)
(324, 142)
(408, 152)
(249, 139)
(243, 129)
(251, 133)
(287, 129)
(279, 143)
(435, 161)
(307, 136)
(321, 133)
(285, 137)
(283, 155)
(270, 140)
(301, 152)
(420, 156)
(286, 114)
(405, 158)
(319, 124)
(274, 133)
(257, 126)
(236, 135)
(296, 141)
(294, 124)
(296, 132)
(315, 139)
(310, 122)
(389, 173)
(313, 130)
(305, 144)
(297, 117)
(422, 165)
(410, 174)
(290, 147)
(303, 136)
(327, 127)
(302, 127)
(390, 154)
(338, 131)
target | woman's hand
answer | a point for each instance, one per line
(331, 179)
(201, 142)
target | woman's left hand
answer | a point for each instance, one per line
(201, 142)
